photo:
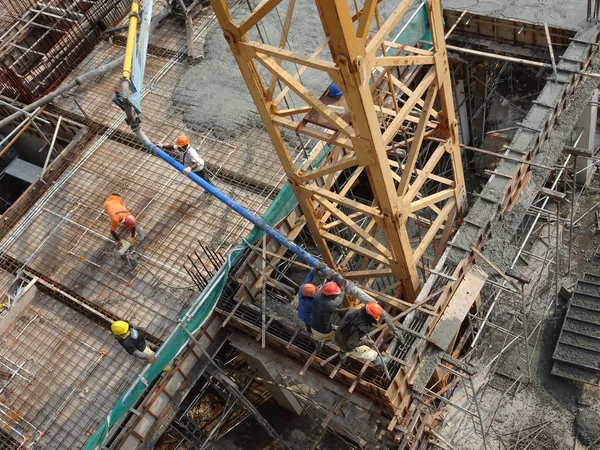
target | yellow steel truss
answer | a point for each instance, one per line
(390, 89)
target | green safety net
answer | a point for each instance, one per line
(284, 202)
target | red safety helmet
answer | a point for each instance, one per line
(182, 141)
(309, 289)
(331, 288)
(374, 310)
(129, 222)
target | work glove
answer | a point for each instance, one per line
(152, 359)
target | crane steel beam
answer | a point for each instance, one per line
(388, 108)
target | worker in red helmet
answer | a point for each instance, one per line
(118, 213)
(305, 299)
(326, 302)
(189, 157)
(352, 334)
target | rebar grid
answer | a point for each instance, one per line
(71, 372)
(47, 40)
(65, 236)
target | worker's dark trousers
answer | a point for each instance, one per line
(204, 175)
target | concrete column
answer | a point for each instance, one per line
(586, 122)
(284, 397)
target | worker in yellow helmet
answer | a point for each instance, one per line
(189, 157)
(133, 341)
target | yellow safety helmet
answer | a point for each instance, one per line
(119, 328)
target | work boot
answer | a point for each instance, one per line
(343, 356)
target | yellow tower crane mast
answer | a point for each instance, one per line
(395, 122)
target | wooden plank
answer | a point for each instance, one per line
(455, 313)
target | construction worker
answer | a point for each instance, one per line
(133, 341)
(188, 156)
(305, 299)
(115, 208)
(326, 303)
(352, 333)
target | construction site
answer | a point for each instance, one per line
(433, 163)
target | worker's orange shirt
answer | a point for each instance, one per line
(115, 208)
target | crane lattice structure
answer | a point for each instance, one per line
(395, 123)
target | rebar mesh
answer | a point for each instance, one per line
(66, 373)
(48, 40)
(65, 238)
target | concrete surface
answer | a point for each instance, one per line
(566, 14)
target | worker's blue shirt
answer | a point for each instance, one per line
(305, 303)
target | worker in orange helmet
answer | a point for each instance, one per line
(352, 334)
(118, 213)
(326, 303)
(189, 157)
(305, 298)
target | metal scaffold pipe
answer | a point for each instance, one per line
(350, 287)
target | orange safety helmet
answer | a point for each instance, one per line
(182, 141)
(309, 289)
(331, 288)
(129, 222)
(374, 310)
